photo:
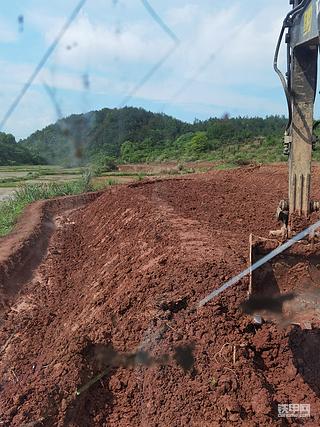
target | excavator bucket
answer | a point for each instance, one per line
(286, 289)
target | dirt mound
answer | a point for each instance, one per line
(126, 272)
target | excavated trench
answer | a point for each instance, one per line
(24, 248)
(296, 274)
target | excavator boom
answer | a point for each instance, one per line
(302, 37)
(294, 275)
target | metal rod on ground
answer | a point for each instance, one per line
(92, 381)
(250, 264)
(259, 263)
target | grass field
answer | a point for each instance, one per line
(14, 176)
(11, 208)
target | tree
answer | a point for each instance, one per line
(13, 153)
(104, 163)
(199, 143)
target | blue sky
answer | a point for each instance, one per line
(223, 62)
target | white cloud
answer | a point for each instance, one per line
(243, 56)
(90, 40)
(183, 15)
(117, 48)
(7, 33)
(33, 112)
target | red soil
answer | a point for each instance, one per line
(127, 270)
(23, 249)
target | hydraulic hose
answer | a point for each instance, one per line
(286, 23)
(282, 78)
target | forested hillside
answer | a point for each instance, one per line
(88, 137)
(135, 135)
(12, 153)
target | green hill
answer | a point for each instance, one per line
(80, 138)
(136, 135)
(12, 153)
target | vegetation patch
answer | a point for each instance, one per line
(104, 139)
(133, 135)
(16, 154)
(26, 194)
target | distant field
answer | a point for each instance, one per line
(12, 177)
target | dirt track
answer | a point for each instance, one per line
(126, 269)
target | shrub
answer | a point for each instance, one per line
(102, 164)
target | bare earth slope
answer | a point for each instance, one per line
(126, 270)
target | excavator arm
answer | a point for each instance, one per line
(301, 30)
(295, 273)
